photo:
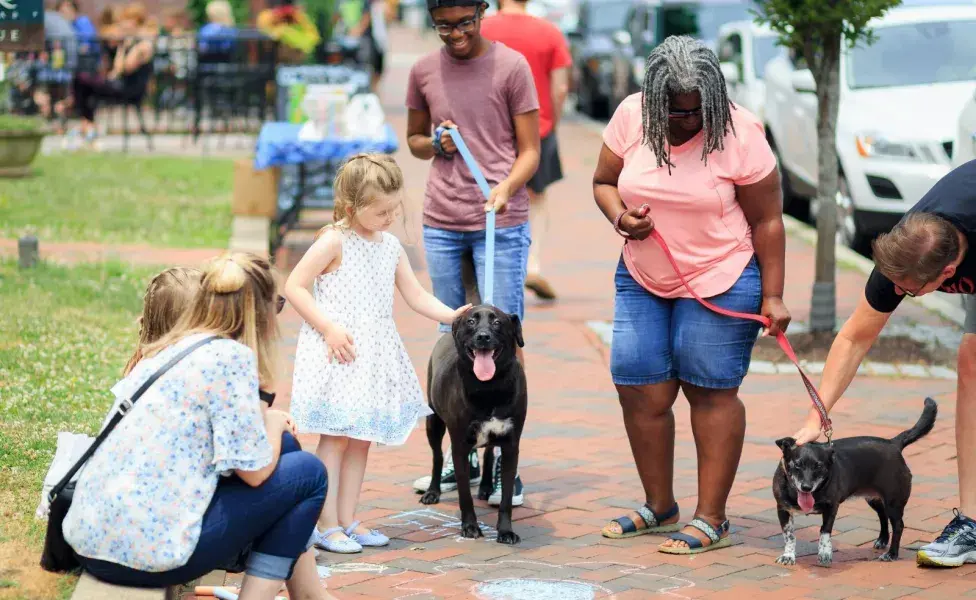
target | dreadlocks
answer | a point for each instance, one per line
(680, 65)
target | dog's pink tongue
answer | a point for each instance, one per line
(805, 500)
(484, 365)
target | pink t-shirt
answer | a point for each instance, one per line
(694, 208)
(481, 96)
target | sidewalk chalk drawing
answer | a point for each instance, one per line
(545, 587)
(536, 589)
(437, 524)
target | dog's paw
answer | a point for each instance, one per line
(431, 497)
(786, 559)
(471, 531)
(508, 537)
(825, 559)
(887, 557)
(880, 544)
(484, 493)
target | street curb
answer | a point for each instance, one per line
(852, 260)
(604, 332)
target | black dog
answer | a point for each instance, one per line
(477, 389)
(817, 478)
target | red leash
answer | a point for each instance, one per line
(780, 337)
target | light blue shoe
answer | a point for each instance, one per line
(372, 539)
(346, 545)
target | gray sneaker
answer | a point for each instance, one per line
(448, 477)
(954, 547)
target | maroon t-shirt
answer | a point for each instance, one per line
(481, 96)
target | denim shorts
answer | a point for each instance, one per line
(444, 250)
(658, 339)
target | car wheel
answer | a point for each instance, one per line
(849, 233)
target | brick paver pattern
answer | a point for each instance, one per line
(577, 465)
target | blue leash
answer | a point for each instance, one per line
(489, 216)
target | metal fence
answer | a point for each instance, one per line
(197, 85)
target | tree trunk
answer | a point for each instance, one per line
(823, 309)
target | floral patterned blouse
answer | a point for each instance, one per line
(140, 500)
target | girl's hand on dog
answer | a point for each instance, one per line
(459, 312)
(340, 345)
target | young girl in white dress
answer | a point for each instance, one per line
(353, 382)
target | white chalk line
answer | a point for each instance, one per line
(445, 524)
(677, 583)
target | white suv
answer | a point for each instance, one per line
(964, 146)
(744, 48)
(900, 99)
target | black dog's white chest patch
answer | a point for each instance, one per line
(493, 427)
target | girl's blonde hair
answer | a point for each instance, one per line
(220, 12)
(167, 298)
(236, 301)
(358, 182)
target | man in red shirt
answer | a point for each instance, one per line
(546, 50)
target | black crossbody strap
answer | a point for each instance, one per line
(125, 406)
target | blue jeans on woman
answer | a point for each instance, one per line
(276, 518)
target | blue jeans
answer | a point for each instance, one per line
(277, 518)
(444, 250)
(659, 339)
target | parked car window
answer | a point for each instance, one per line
(764, 49)
(605, 16)
(915, 54)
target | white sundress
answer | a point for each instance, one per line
(377, 396)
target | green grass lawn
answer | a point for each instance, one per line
(65, 335)
(113, 198)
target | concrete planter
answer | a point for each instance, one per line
(17, 151)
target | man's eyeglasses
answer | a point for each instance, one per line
(279, 304)
(682, 114)
(465, 26)
(910, 293)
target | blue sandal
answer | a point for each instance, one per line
(695, 545)
(651, 520)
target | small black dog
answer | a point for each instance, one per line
(816, 478)
(477, 389)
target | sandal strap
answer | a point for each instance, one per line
(352, 528)
(332, 530)
(627, 524)
(706, 528)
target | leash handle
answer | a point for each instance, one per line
(479, 177)
(781, 339)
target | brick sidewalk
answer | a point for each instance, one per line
(578, 468)
(576, 461)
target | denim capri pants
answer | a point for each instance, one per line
(658, 339)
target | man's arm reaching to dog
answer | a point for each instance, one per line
(846, 353)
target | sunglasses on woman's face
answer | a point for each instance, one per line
(279, 304)
(683, 114)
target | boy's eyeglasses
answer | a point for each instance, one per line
(465, 26)
(279, 304)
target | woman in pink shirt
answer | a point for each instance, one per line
(705, 170)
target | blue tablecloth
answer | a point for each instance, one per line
(278, 145)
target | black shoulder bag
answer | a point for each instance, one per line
(58, 556)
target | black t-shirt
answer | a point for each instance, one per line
(954, 199)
